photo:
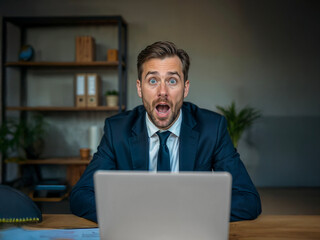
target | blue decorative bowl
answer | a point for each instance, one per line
(26, 53)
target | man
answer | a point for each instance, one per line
(196, 139)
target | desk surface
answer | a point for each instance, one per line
(271, 227)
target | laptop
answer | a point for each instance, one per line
(163, 206)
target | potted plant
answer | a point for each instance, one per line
(10, 136)
(112, 98)
(21, 140)
(238, 122)
(33, 136)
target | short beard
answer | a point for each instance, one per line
(172, 118)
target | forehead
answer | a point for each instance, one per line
(162, 66)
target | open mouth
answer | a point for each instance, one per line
(162, 109)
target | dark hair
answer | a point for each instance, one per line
(163, 49)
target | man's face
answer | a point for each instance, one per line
(162, 90)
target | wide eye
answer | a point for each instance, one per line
(153, 81)
(172, 81)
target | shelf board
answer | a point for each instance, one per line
(67, 109)
(64, 21)
(63, 64)
(48, 199)
(56, 161)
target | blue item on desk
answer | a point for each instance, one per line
(16, 207)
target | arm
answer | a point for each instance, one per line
(245, 200)
(82, 199)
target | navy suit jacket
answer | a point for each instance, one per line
(205, 145)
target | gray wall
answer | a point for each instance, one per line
(262, 53)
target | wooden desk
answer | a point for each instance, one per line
(271, 227)
(61, 221)
(277, 227)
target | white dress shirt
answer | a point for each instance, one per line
(172, 144)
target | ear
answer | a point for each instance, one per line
(186, 88)
(139, 88)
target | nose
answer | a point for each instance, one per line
(163, 91)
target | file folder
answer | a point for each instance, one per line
(93, 89)
(80, 90)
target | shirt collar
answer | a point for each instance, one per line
(175, 128)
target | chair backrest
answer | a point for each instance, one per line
(16, 207)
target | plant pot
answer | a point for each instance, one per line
(112, 100)
(84, 153)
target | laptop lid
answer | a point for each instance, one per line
(145, 205)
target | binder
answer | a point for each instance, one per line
(81, 90)
(93, 89)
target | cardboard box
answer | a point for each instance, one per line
(112, 55)
(85, 49)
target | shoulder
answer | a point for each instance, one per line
(137, 111)
(208, 123)
(127, 117)
(200, 115)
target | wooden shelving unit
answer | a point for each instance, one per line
(22, 25)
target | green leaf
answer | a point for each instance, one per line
(16, 136)
(238, 122)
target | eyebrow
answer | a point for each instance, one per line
(174, 73)
(157, 73)
(151, 73)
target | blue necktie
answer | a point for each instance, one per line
(163, 155)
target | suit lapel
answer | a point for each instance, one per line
(139, 144)
(188, 142)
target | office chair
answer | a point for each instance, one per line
(16, 207)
